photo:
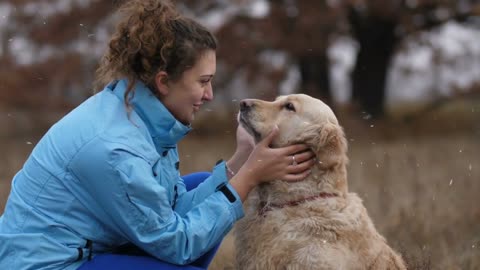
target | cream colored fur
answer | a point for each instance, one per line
(325, 233)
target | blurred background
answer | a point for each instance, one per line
(403, 77)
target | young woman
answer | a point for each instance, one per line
(106, 175)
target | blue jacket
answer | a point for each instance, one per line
(100, 178)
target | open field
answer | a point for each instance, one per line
(420, 181)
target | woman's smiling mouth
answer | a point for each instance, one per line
(196, 107)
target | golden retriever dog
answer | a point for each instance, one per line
(311, 224)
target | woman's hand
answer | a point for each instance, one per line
(291, 163)
(245, 145)
(245, 141)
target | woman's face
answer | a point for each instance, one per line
(183, 98)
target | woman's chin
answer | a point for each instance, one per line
(188, 121)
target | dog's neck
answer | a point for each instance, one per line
(265, 207)
(321, 183)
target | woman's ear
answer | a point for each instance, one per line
(330, 145)
(161, 82)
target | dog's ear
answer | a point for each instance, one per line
(329, 144)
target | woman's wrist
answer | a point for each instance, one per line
(241, 177)
(234, 164)
(230, 173)
(243, 182)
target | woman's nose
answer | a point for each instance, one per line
(208, 95)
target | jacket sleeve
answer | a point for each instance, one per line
(122, 183)
(189, 199)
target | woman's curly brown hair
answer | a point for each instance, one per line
(151, 37)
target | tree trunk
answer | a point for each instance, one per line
(314, 71)
(376, 38)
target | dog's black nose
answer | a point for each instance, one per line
(245, 105)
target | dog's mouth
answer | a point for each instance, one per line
(245, 122)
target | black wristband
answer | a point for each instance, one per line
(226, 191)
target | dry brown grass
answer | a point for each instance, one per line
(420, 181)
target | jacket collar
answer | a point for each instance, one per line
(165, 130)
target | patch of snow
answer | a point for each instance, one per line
(48, 8)
(5, 12)
(439, 63)
(258, 9)
(275, 60)
(433, 64)
(22, 50)
(214, 19)
(91, 44)
(341, 55)
(239, 85)
(411, 76)
(291, 82)
(26, 53)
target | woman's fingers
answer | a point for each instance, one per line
(291, 163)
(307, 157)
(300, 163)
(295, 148)
(300, 167)
(297, 177)
(301, 157)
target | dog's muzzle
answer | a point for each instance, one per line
(244, 118)
(246, 105)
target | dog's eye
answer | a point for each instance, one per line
(289, 106)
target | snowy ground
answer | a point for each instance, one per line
(433, 64)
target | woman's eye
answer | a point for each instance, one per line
(204, 83)
(289, 106)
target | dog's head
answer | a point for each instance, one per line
(300, 119)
